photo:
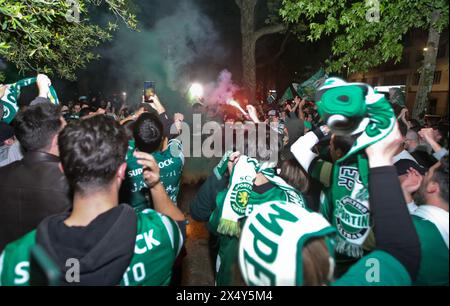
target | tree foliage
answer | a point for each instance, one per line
(39, 36)
(358, 44)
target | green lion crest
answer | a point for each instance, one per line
(240, 197)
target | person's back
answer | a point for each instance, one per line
(34, 187)
(149, 137)
(171, 162)
(109, 243)
(139, 249)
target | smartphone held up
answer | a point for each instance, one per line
(149, 91)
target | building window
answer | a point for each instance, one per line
(416, 79)
(442, 51)
(437, 77)
(399, 79)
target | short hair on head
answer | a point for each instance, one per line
(294, 174)
(412, 135)
(344, 142)
(148, 132)
(316, 262)
(92, 151)
(128, 127)
(35, 126)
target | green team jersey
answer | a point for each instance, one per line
(158, 242)
(433, 270)
(171, 162)
(135, 191)
(227, 265)
(378, 268)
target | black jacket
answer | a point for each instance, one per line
(30, 190)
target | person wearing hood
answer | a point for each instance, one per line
(110, 242)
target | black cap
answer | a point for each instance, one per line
(403, 165)
(6, 132)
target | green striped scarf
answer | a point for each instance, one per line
(11, 96)
(236, 203)
(349, 188)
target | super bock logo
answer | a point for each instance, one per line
(240, 197)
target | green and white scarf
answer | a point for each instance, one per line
(12, 93)
(272, 241)
(236, 204)
(349, 189)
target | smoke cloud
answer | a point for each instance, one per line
(221, 91)
(167, 52)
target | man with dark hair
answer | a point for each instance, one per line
(112, 244)
(151, 135)
(431, 220)
(33, 188)
(148, 133)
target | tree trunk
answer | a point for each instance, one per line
(249, 38)
(248, 47)
(427, 71)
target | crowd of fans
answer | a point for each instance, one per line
(100, 185)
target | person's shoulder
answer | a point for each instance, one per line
(159, 227)
(150, 218)
(12, 173)
(423, 224)
(427, 230)
(22, 244)
(378, 268)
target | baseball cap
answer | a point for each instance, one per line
(272, 112)
(403, 166)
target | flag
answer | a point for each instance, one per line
(11, 96)
(307, 90)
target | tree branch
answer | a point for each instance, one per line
(279, 53)
(276, 28)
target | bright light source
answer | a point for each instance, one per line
(425, 49)
(196, 91)
(124, 93)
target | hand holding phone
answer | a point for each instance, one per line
(149, 91)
